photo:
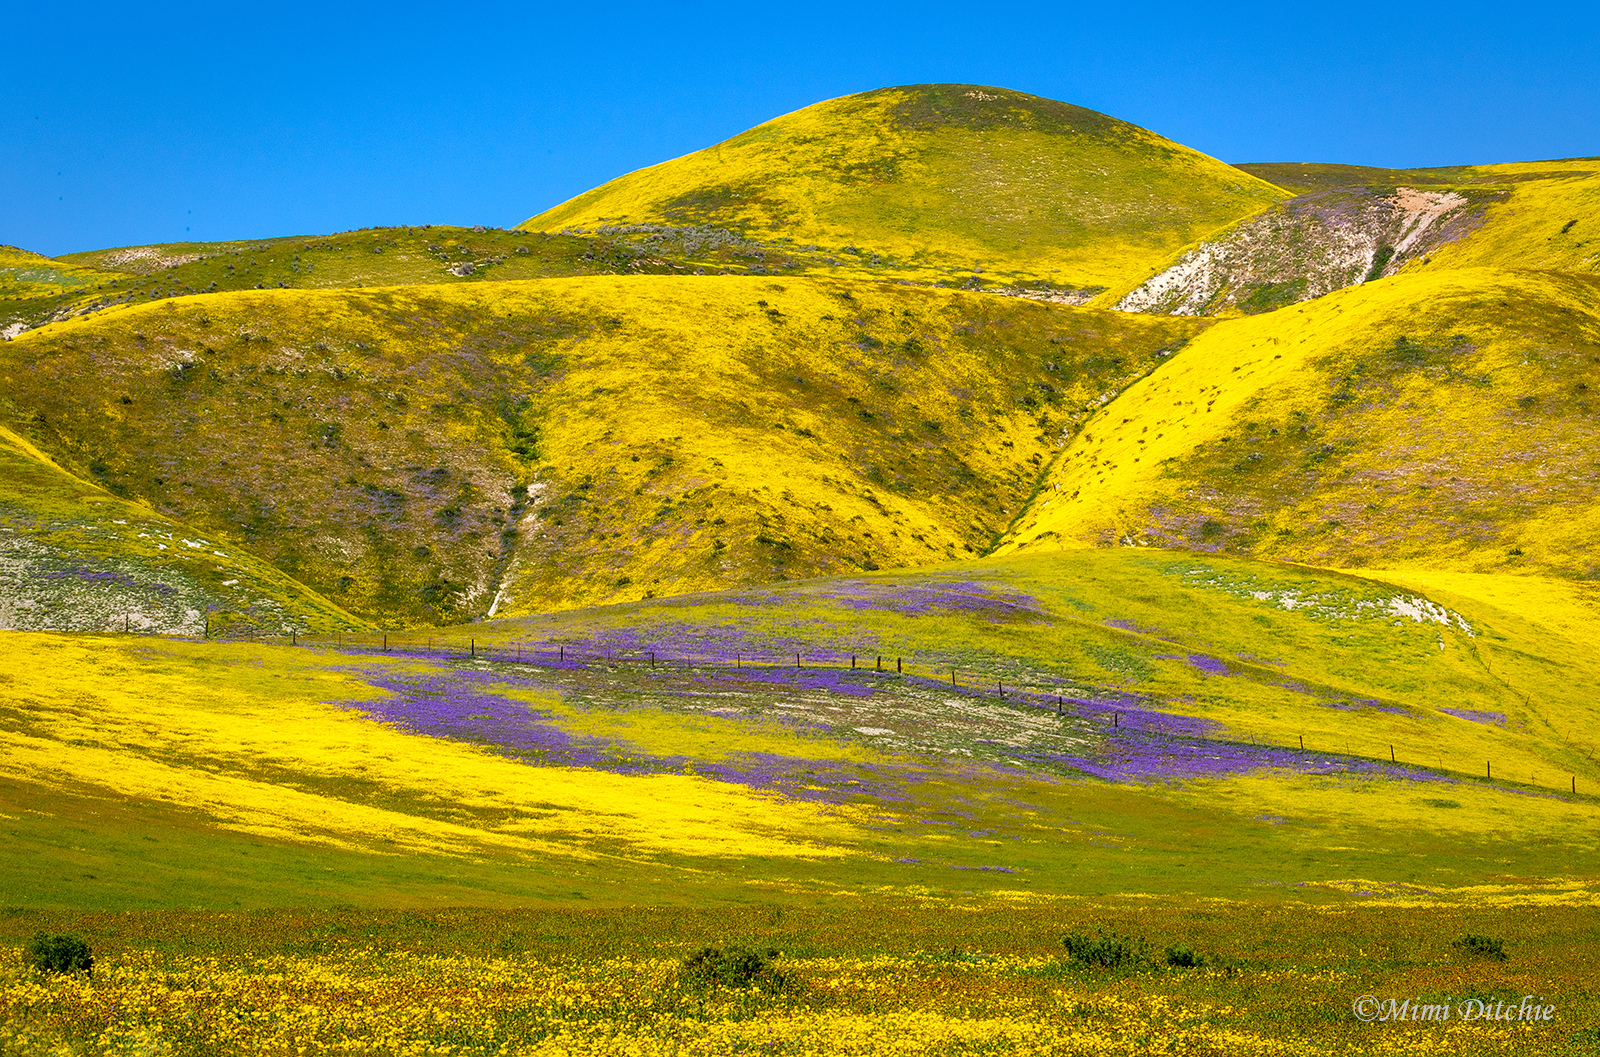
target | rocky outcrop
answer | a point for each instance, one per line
(1307, 247)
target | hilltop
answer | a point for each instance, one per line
(954, 184)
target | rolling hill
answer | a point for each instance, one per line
(954, 184)
(36, 290)
(1439, 419)
(436, 453)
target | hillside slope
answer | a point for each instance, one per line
(34, 287)
(435, 453)
(1443, 419)
(74, 557)
(938, 183)
(1353, 224)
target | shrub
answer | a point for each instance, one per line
(1107, 950)
(1181, 957)
(60, 954)
(1482, 946)
(739, 967)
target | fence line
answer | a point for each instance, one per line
(558, 655)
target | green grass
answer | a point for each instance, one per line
(35, 290)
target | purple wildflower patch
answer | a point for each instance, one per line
(940, 597)
(1146, 758)
(460, 705)
(1210, 665)
(89, 575)
(1496, 719)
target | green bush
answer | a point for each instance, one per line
(60, 954)
(1181, 957)
(1107, 950)
(1482, 946)
(739, 967)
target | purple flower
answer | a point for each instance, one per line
(1497, 719)
(1208, 664)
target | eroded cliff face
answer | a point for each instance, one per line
(1309, 246)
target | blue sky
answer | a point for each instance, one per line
(130, 123)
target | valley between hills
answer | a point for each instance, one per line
(935, 493)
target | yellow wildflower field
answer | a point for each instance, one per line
(278, 758)
(876, 978)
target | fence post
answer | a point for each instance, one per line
(1302, 742)
(1002, 687)
(472, 646)
(652, 658)
(385, 642)
(1488, 770)
(1116, 720)
(797, 660)
(852, 662)
(1391, 754)
(897, 666)
(952, 678)
(561, 653)
(738, 661)
(880, 662)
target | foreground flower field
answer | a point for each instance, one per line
(864, 980)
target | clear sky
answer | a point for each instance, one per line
(129, 123)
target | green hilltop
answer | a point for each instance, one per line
(937, 183)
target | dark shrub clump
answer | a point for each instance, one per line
(60, 954)
(1106, 950)
(1482, 946)
(713, 967)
